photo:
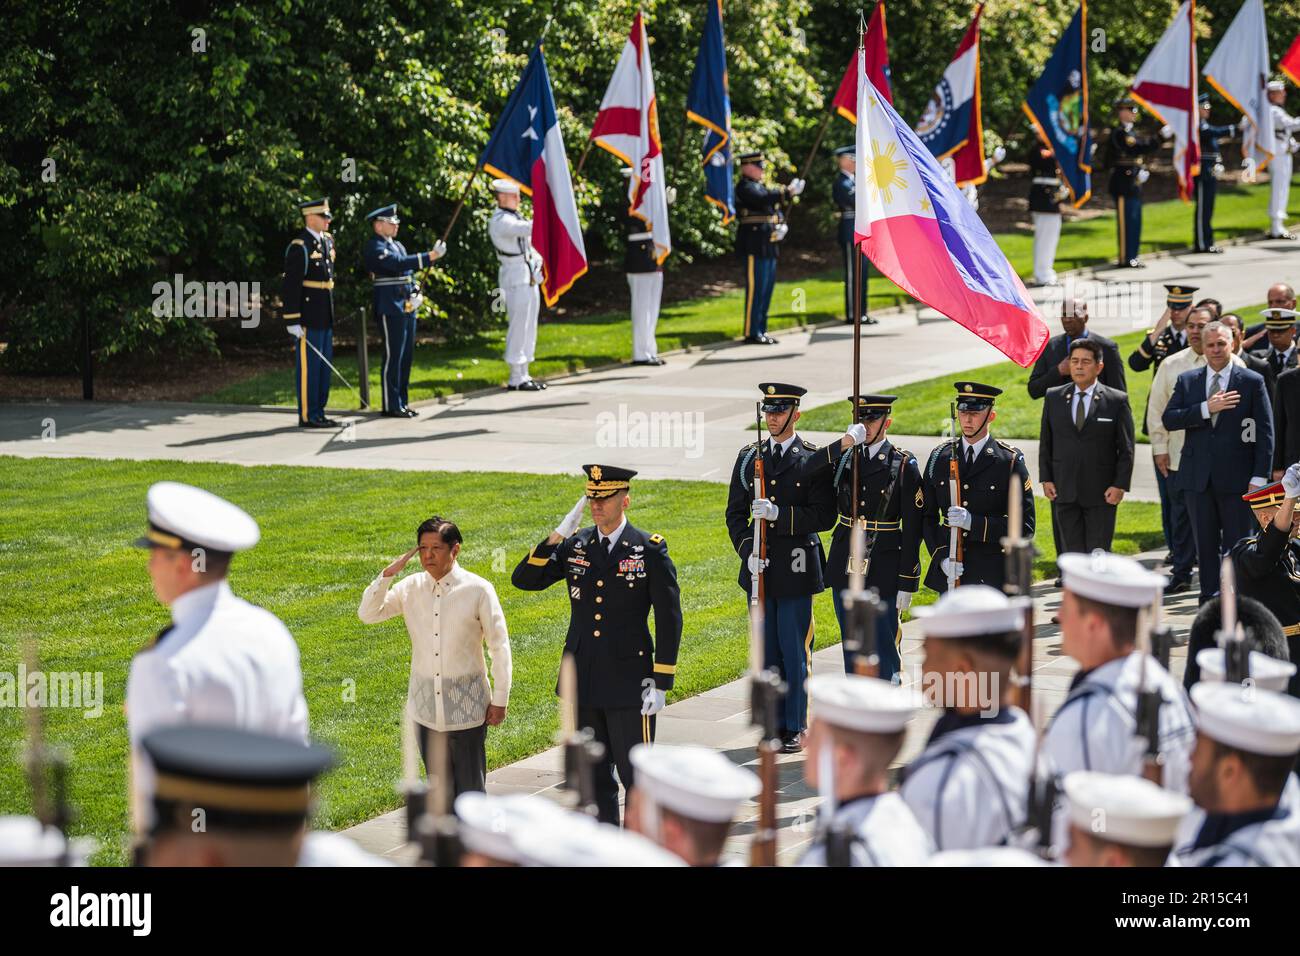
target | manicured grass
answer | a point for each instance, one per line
(74, 583)
(923, 407)
(569, 345)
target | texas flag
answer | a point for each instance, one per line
(952, 124)
(628, 126)
(874, 42)
(526, 147)
(1166, 85)
(918, 229)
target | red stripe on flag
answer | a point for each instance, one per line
(617, 121)
(563, 263)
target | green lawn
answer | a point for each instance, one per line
(923, 407)
(603, 339)
(72, 581)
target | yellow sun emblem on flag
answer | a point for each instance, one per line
(883, 173)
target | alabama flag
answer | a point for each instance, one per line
(526, 147)
(952, 125)
(1166, 85)
(628, 126)
(918, 229)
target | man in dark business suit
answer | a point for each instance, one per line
(1053, 366)
(1085, 452)
(1229, 449)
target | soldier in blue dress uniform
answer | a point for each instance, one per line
(844, 192)
(1206, 184)
(762, 227)
(1127, 150)
(397, 299)
(308, 298)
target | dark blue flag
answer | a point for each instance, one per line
(1057, 105)
(709, 104)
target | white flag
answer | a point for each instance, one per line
(1239, 70)
(628, 126)
(1166, 86)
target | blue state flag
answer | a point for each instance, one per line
(709, 104)
(1057, 105)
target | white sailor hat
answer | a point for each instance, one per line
(1110, 579)
(1279, 318)
(1276, 86)
(185, 517)
(1267, 672)
(865, 704)
(1124, 809)
(1257, 721)
(508, 186)
(490, 824)
(571, 840)
(698, 783)
(969, 611)
(25, 841)
(987, 856)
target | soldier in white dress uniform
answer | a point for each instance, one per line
(489, 825)
(1095, 727)
(686, 798)
(1283, 148)
(222, 660)
(857, 730)
(1242, 778)
(520, 280)
(1120, 820)
(969, 787)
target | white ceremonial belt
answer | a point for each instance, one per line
(640, 236)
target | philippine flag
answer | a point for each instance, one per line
(952, 124)
(526, 147)
(918, 229)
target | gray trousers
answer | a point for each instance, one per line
(467, 750)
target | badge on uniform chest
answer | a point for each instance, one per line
(632, 568)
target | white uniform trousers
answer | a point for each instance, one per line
(1047, 234)
(523, 302)
(1280, 170)
(647, 289)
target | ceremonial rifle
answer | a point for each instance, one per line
(1231, 636)
(47, 771)
(954, 499)
(412, 788)
(836, 834)
(756, 595)
(1041, 805)
(767, 691)
(862, 608)
(1149, 702)
(1020, 572)
(581, 750)
(437, 828)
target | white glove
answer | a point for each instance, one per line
(857, 433)
(951, 568)
(652, 701)
(1249, 168)
(1243, 123)
(439, 250)
(756, 565)
(1166, 131)
(1291, 481)
(571, 521)
(763, 509)
(780, 231)
(903, 601)
(670, 195)
(296, 331)
(1143, 175)
(999, 154)
(796, 186)
(1218, 170)
(959, 518)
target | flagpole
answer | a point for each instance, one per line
(817, 141)
(455, 214)
(582, 160)
(857, 299)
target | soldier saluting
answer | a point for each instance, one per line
(616, 575)
(891, 505)
(986, 470)
(793, 510)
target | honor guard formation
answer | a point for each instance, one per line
(1134, 767)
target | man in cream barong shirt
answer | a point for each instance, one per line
(450, 614)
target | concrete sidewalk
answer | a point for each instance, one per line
(683, 420)
(719, 718)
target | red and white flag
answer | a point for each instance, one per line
(628, 126)
(1166, 85)
(877, 53)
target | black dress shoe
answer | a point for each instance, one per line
(1282, 235)
(1178, 586)
(391, 415)
(791, 743)
(1135, 264)
(331, 422)
(649, 361)
(315, 423)
(768, 340)
(754, 340)
(409, 413)
(532, 385)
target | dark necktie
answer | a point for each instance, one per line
(604, 543)
(776, 455)
(1277, 361)
(970, 456)
(1078, 411)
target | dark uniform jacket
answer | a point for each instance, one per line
(891, 504)
(309, 281)
(1083, 464)
(844, 193)
(1210, 151)
(392, 274)
(1045, 374)
(1044, 195)
(1286, 420)
(758, 209)
(640, 256)
(804, 507)
(983, 492)
(1149, 356)
(1126, 153)
(610, 599)
(1268, 570)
